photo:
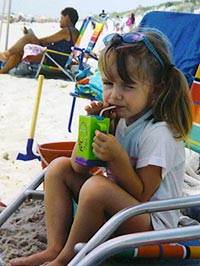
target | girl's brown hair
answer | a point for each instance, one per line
(171, 100)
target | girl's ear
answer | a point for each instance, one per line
(157, 91)
(158, 88)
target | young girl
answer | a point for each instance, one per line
(145, 156)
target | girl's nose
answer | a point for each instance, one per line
(116, 94)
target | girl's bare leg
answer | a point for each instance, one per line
(99, 199)
(61, 182)
(13, 56)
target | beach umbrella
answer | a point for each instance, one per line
(2, 17)
(9, 3)
(8, 23)
(8, 6)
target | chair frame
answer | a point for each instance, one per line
(97, 249)
(59, 67)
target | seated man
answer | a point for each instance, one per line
(62, 40)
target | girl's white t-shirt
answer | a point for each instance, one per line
(149, 143)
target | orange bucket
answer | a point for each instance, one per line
(51, 151)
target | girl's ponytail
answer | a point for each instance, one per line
(173, 104)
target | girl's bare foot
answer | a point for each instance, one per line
(4, 56)
(36, 259)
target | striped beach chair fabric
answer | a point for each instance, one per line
(194, 138)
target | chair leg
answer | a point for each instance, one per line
(71, 114)
(40, 66)
(70, 76)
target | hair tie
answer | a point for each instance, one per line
(116, 40)
(169, 67)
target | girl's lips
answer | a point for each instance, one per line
(118, 108)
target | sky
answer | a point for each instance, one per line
(52, 8)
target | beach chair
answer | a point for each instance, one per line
(176, 26)
(78, 56)
(88, 86)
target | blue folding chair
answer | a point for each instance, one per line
(183, 31)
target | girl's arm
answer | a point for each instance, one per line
(141, 183)
(78, 168)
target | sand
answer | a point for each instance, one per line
(24, 233)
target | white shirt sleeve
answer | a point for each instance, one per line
(158, 147)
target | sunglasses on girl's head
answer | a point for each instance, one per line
(133, 37)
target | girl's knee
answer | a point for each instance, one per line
(61, 163)
(58, 167)
(95, 187)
